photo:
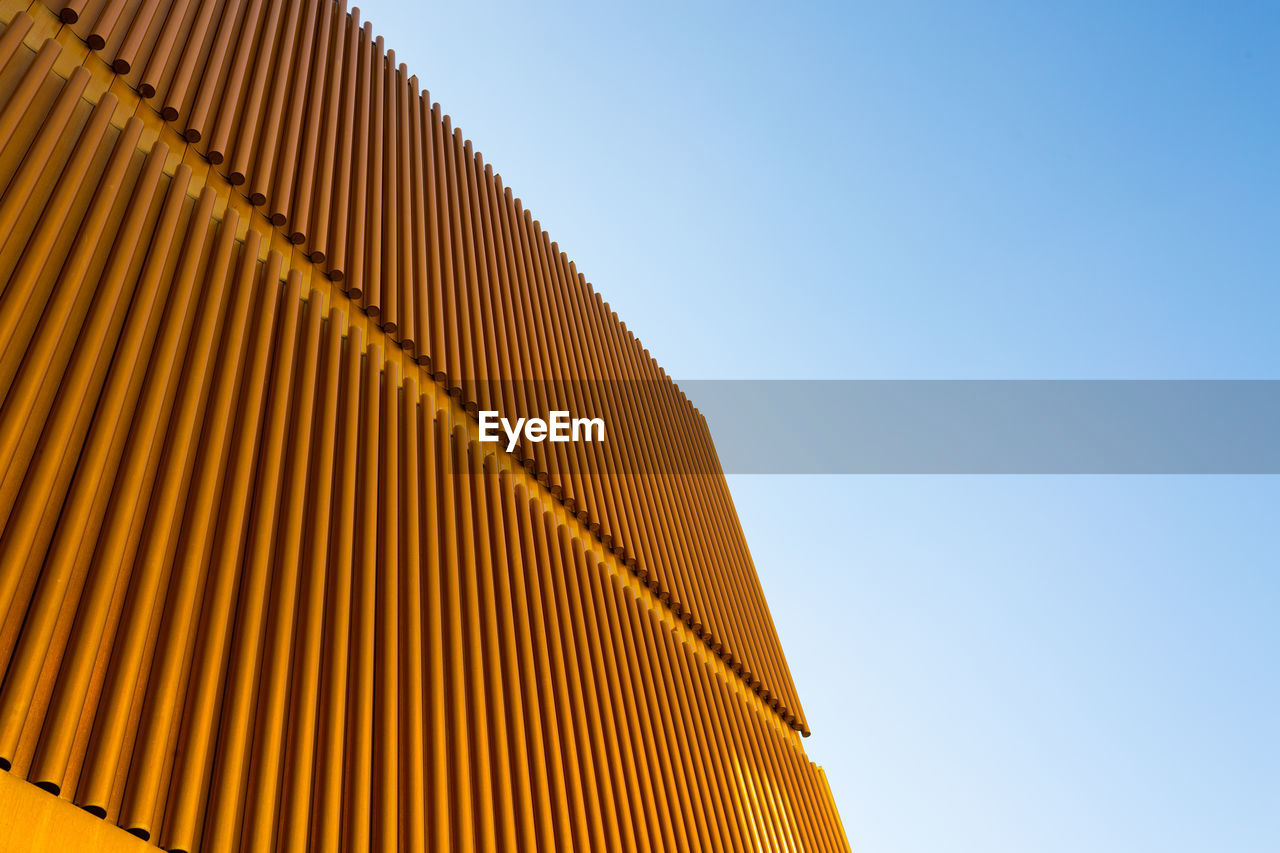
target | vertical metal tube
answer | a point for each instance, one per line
(163, 707)
(127, 53)
(304, 712)
(358, 782)
(127, 657)
(192, 770)
(178, 94)
(568, 826)
(12, 37)
(158, 60)
(305, 90)
(419, 281)
(71, 11)
(231, 766)
(19, 683)
(530, 784)
(388, 225)
(386, 718)
(105, 24)
(327, 245)
(438, 245)
(372, 234)
(411, 785)
(18, 194)
(216, 69)
(273, 679)
(19, 418)
(352, 274)
(484, 634)
(328, 775)
(406, 296)
(259, 166)
(295, 196)
(588, 832)
(246, 108)
(440, 817)
(595, 712)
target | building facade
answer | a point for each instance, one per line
(261, 585)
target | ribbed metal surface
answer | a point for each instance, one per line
(261, 586)
(305, 111)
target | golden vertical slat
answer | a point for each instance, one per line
(127, 658)
(70, 419)
(538, 681)
(411, 784)
(105, 24)
(328, 243)
(232, 760)
(178, 94)
(618, 823)
(603, 821)
(158, 62)
(384, 250)
(161, 710)
(38, 419)
(352, 214)
(675, 823)
(529, 782)
(71, 11)
(224, 76)
(248, 113)
(23, 283)
(259, 167)
(437, 749)
(533, 371)
(371, 187)
(462, 381)
(11, 38)
(274, 658)
(305, 679)
(290, 200)
(25, 404)
(463, 801)
(473, 392)
(303, 91)
(20, 680)
(127, 53)
(586, 825)
(436, 275)
(194, 767)
(485, 635)
(646, 823)
(406, 296)
(386, 719)
(358, 782)
(327, 809)
(15, 106)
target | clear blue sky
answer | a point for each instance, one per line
(947, 190)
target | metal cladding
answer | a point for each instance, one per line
(261, 586)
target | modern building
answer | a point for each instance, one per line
(261, 585)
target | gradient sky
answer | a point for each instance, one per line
(946, 191)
